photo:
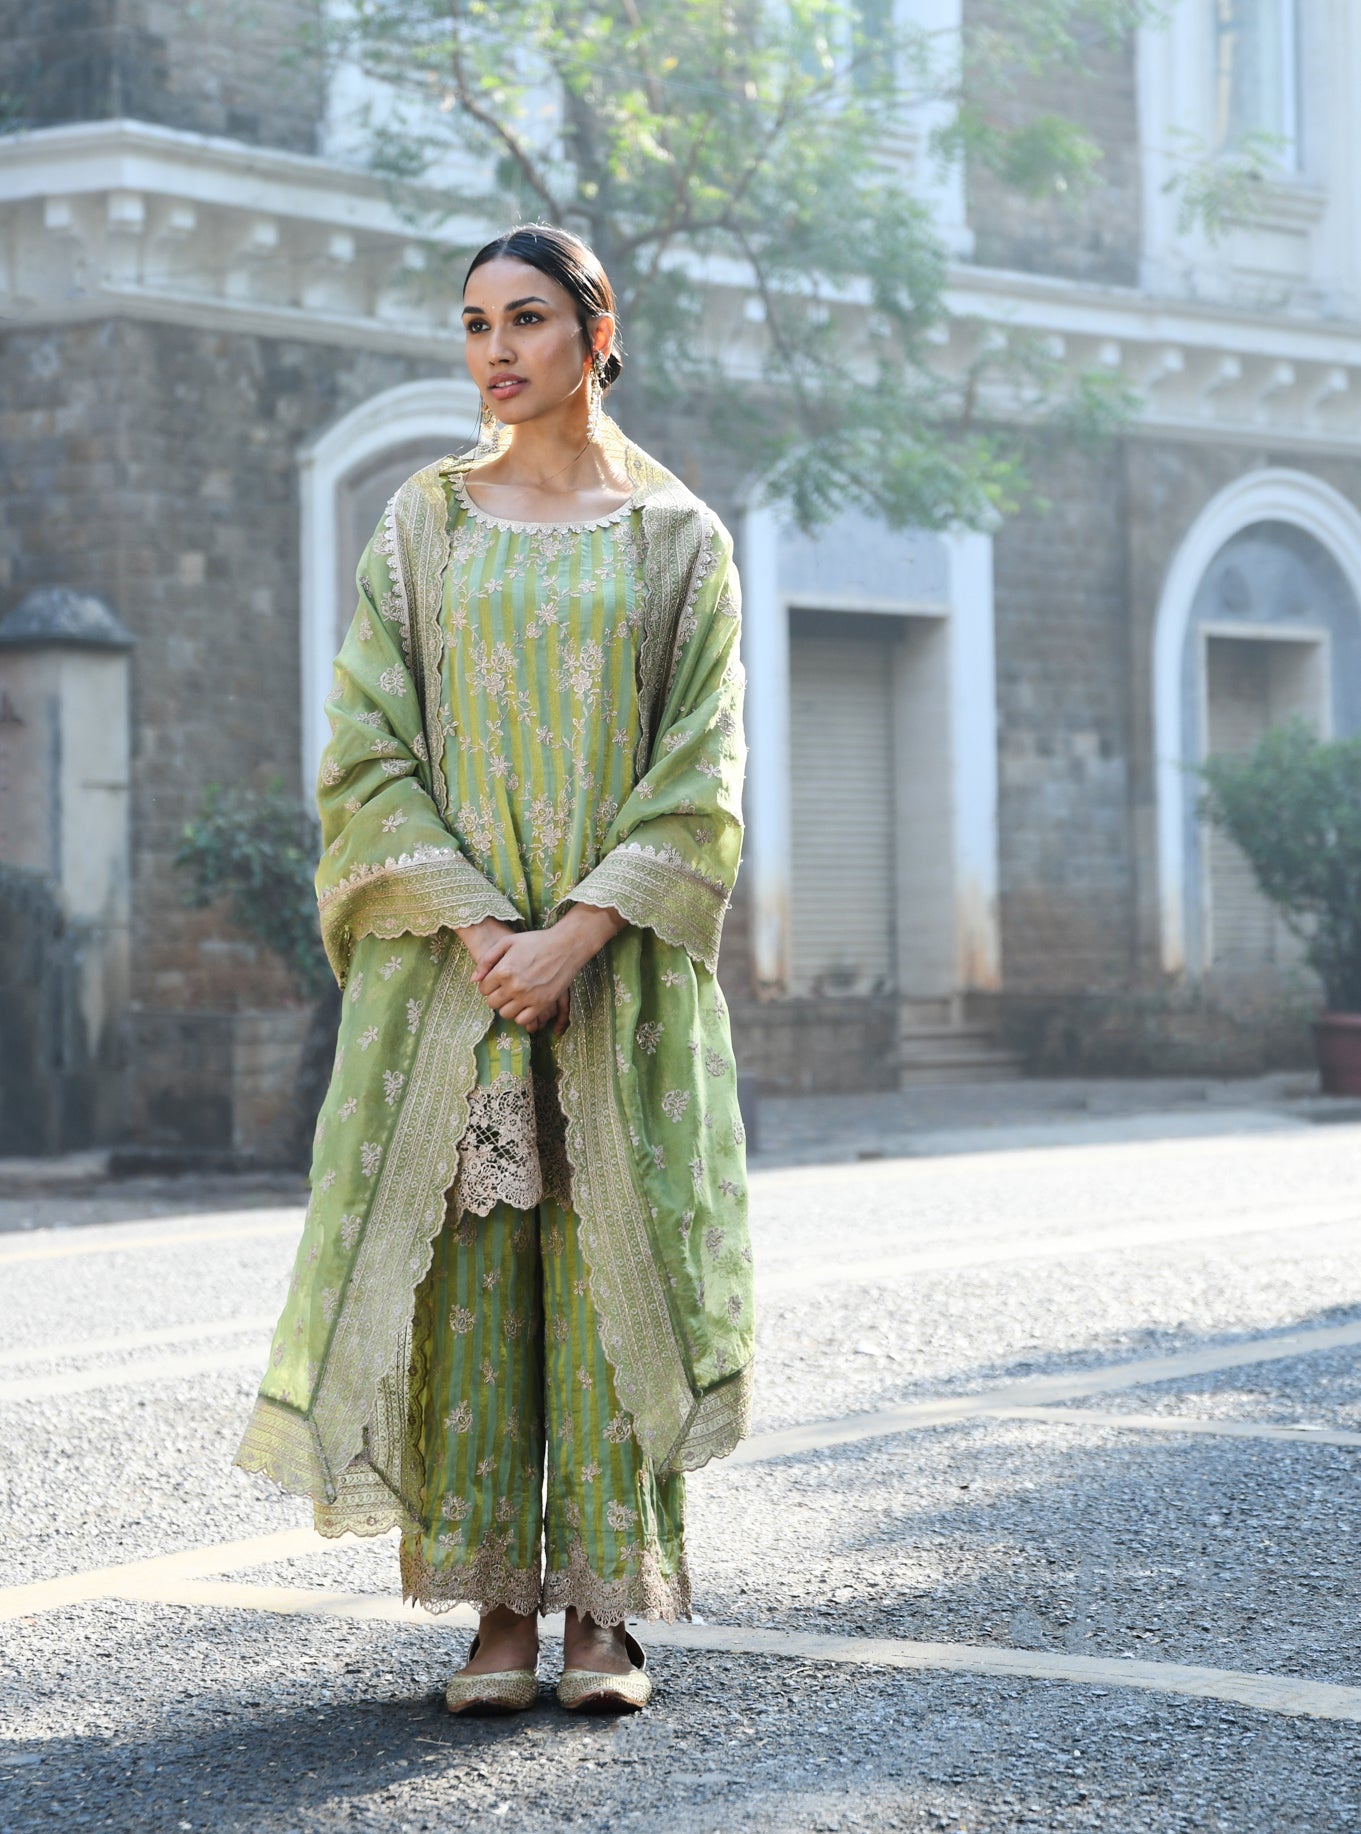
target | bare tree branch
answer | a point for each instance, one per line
(487, 120)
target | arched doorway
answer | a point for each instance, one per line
(1260, 622)
(348, 473)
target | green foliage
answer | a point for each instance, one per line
(1294, 808)
(259, 850)
(1216, 190)
(762, 148)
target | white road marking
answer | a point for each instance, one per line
(1024, 1398)
(109, 1239)
(305, 1601)
(1182, 1233)
(1068, 1386)
(1267, 1693)
(136, 1340)
(131, 1579)
(1181, 1423)
(1033, 1164)
(125, 1375)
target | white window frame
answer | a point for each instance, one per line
(1287, 12)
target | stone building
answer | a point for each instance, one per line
(216, 360)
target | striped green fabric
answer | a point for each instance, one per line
(510, 1383)
(542, 625)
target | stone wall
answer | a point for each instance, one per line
(1077, 593)
(243, 68)
(1066, 868)
(158, 466)
(802, 1046)
(1094, 236)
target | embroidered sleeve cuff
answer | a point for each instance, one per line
(432, 888)
(656, 890)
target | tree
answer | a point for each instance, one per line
(762, 141)
(1293, 806)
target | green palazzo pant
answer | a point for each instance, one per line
(529, 1461)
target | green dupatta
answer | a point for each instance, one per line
(648, 1085)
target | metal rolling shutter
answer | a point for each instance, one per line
(841, 759)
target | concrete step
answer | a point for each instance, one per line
(954, 1054)
(930, 1075)
(947, 1034)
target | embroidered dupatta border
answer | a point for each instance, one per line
(307, 1453)
(354, 1408)
(655, 893)
(678, 1428)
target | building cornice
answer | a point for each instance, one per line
(126, 219)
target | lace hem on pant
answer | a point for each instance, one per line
(647, 1592)
(488, 1580)
(485, 1581)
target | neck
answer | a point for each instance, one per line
(554, 449)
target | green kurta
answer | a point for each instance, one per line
(542, 628)
(523, 717)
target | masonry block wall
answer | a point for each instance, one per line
(158, 466)
(1078, 587)
(241, 68)
(1062, 634)
(1091, 236)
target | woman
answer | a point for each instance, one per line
(526, 1252)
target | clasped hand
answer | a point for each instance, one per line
(526, 975)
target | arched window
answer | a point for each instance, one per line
(1257, 75)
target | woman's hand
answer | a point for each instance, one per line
(527, 976)
(478, 938)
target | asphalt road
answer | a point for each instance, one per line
(1050, 1521)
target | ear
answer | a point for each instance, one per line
(602, 334)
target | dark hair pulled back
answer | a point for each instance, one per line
(575, 266)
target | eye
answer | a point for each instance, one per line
(470, 325)
(528, 318)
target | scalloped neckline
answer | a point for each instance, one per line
(478, 514)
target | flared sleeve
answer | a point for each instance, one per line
(672, 852)
(390, 865)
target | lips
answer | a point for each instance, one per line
(506, 386)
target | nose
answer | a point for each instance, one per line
(500, 351)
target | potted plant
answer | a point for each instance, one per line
(1293, 806)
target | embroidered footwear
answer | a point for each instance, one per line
(588, 1690)
(507, 1690)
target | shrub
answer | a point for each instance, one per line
(259, 850)
(1293, 806)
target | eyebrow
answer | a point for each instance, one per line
(530, 299)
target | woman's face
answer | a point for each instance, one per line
(525, 350)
